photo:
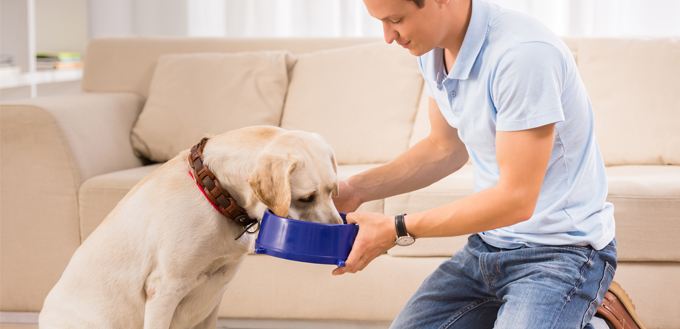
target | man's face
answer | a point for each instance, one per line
(418, 29)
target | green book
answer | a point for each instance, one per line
(62, 56)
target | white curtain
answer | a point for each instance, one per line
(603, 18)
(349, 18)
(281, 18)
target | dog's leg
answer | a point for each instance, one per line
(211, 321)
(162, 298)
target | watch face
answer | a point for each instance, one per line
(405, 241)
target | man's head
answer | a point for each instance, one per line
(419, 25)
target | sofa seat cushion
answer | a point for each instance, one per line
(647, 210)
(269, 287)
(646, 206)
(287, 289)
(100, 194)
(451, 188)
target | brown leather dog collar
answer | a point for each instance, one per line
(216, 194)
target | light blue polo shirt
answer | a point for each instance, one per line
(513, 74)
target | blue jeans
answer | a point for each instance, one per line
(482, 286)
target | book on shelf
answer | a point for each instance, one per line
(58, 61)
(61, 56)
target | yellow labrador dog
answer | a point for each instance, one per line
(164, 256)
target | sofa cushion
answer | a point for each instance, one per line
(647, 210)
(633, 86)
(308, 291)
(451, 188)
(288, 289)
(362, 99)
(421, 124)
(100, 194)
(194, 95)
(646, 206)
(108, 67)
(269, 287)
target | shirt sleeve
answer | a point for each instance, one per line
(428, 87)
(527, 86)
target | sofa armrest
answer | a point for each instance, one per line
(93, 128)
(48, 147)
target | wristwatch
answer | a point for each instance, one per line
(403, 238)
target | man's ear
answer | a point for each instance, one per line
(270, 181)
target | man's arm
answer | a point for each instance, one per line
(523, 158)
(430, 160)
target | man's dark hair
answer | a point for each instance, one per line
(419, 3)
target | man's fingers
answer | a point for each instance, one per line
(352, 261)
(359, 266)
(354, 258)
(351, 218)
(349, 267)
(338, 271)
(369, 243)
(364, 261)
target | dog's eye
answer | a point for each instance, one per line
(308, 199)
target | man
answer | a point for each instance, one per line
(505, 92)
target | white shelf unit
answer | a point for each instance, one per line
(33, 79)
(59, 25)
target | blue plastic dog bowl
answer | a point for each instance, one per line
(305, 241)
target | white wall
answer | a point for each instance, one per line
(137, 17)
(61, 25)
(14, 31)
(160, 17)
(109, 18)
(603, 18)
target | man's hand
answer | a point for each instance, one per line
(348, 199)
(376, 235)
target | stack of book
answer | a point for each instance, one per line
(7, 67)
(58, 61)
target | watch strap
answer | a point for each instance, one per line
(400, 225)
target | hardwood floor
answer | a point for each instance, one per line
(12, 320)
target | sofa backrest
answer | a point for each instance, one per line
(126, 64)
(634, 87)
(632, 83)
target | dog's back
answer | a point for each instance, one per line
(104, 281)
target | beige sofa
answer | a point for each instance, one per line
(67, 160)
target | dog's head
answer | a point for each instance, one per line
(295, 176)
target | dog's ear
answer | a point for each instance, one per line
(336, 190)
(270, 181)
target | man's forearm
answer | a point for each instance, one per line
(493, 208)
(418, 167)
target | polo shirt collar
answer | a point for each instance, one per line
(472, 45)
